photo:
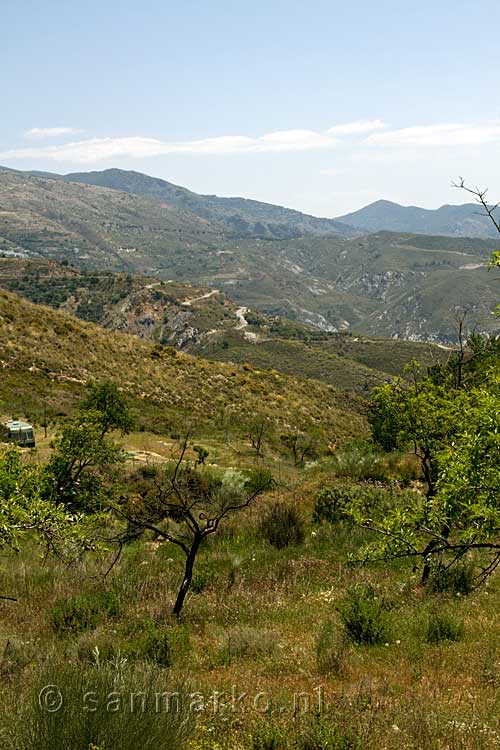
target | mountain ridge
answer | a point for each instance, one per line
(454, 220)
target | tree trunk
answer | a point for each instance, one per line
(188, 576)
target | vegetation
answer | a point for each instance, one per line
(281, 577)
(310, 275)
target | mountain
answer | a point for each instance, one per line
(389, 284)
(206, 323)
(240, 217)
(168, 390)
(97, 227)
(455, 221)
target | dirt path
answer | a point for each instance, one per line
(189, 302)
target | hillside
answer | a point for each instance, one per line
(169, 390)
(91, 226)
(385, 284)
(240, 217)
(456, 221)
(206, 322)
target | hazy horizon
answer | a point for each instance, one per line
(323, 108)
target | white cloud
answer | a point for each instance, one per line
(357, 127)
(355, 134)
(51, 132)
(446, 134)
(100, 149)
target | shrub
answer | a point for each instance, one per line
(282, 526)
(26, 724)
(158, 645)
(443, 626)
(317, 734)
(84, 611)
(324, 735)
(332, 504)
(364, 616)
(246, 642)
(204, 576)
(331, 650)
(455, 579)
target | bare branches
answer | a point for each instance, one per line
(480, 197)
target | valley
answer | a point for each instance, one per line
(395, 285)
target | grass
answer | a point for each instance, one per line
(265, 622)
(168, 391)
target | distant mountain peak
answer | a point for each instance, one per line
(463, 220)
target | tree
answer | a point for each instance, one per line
(256, 431)
(451, 419)
(421, 415)
(80, 473)
(184, 506)
(24, 511)
(109, 407)
(300, 445)
(462, 513)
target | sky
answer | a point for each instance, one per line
(321, 106)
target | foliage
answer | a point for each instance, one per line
(25, 511)
(452, 418)
(282, 526)
(79, 474)
(96, 711)
(108, 407)
(443, 626)
(202, 454)
(339, 501)
(83, 611)
(156, 644)
(457, 579)
(363, 614)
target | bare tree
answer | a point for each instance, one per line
(256, 432)
(184, 506)
(480, 196)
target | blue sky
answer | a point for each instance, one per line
(322, 106)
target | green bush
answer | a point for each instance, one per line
(282, 526)
(332, 504)
(317, 734)
(203, 577)
(443, 626)
(364, 616)
(455, 579)
(157, 644)
(83, 611)
(85, 719)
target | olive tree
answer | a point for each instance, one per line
(184, 506)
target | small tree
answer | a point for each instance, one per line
(25, 511)
(80, 473)
(257, 429)
(300, 445)
(184, 506)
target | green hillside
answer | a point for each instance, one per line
(207, 323)
(384, 285)
(169, 390)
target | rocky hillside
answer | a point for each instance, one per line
(168, 389)
(206, 322)
(385, 284)
(240, 217)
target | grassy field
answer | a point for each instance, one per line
(263, 633)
